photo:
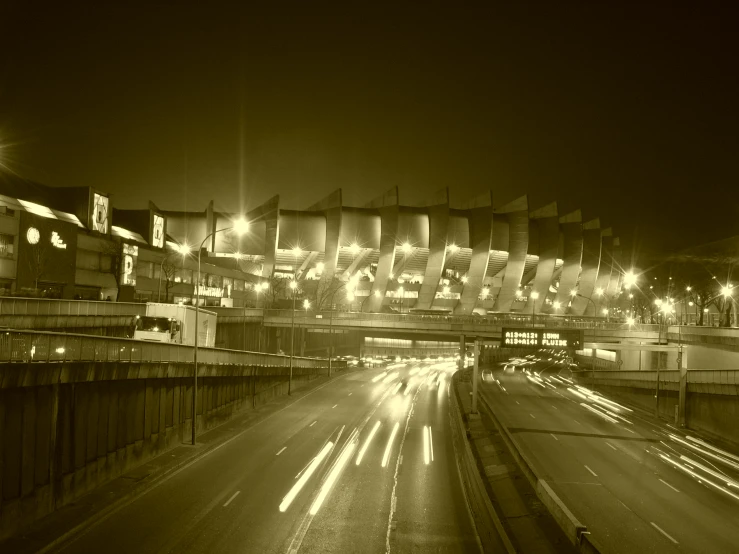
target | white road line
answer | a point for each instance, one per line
(312, 424)
(577, 422)
(517, 402)
(630, 431)
(332, 407)
(281, 450)
(661, 531)
(555, 407)
(350, 394)
(230, 499)
(609, 444)
(555, 438)
(591, 471)
(673, 488)
(532, 416)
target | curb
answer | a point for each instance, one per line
(159, 477)
(575, 531)
(485, 517)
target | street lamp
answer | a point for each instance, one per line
(183, 250)
(534, 296)
(293, 287)
(240, 226)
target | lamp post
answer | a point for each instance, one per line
(294, 287)
(534, 296)
(183, 250)
(330, 327)
(240, 226)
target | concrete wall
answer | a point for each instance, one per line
(711, 397)
(66, 428)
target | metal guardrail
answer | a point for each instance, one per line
(45, 306)
(40, 346)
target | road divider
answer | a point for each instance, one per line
(575, 531)
(489, 527)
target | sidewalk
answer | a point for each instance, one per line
(60, 526)
(528, 523)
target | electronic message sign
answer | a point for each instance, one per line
(542, 338)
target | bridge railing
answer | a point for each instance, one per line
(46, 306)
(494, 320)
(39, 346)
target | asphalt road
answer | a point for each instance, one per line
(639, 485)
(295, 482)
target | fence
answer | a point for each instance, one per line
(44, 306)
(39, 346)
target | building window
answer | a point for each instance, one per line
(238, 284)
(183, 276)
(144, 269)
(6, 246)
(4, 210)
(215, 281)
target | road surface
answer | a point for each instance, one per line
(639, 485)
(363, 464)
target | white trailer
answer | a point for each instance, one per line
(175, 323)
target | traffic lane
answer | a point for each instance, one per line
(432, 513)
(335, 424)
(159, 519)
(357, 518)
(644, 473)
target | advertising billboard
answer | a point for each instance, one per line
(47, 252)
(541, 338)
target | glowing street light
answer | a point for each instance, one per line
(573, 293)
(407, 247)
(306, 304)
(354, 248)
(630, 321)
(464, 278)
(629, 279)
(726, 291)
(599, 291)
(485, 292)
(453, 248)
(557, 305)
(534, 295)
(238, 226)
(377, 294)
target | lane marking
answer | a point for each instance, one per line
(281, 450)
(230, 499)
(577, 422)
(555, 438)
(332, 407)
(553, 406)
(350, 394)
(591, 471)
(517, 402)
(532, 416)
(666, 483)
(657, 527)
(312, 424)
(431, 443)
(609, 444)
(630, 431)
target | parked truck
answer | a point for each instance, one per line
(175, 323)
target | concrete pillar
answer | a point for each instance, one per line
(461, 351)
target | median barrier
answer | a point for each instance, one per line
(575, 531)
(488, 524)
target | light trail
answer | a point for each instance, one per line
(290, 496)
(333, 476)
(378, 377)
(367, 442)
(389, 446)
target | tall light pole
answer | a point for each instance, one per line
(293, 286)
(534, 296)
(240, 226)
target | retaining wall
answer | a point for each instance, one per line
(66, 428)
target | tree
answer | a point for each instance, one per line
(168, 269)
(276, 290)
(38, 264)
(113, 250)
(324, 294)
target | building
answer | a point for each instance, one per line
(384, 256)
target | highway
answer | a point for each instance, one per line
(362, 464)
(639, 485)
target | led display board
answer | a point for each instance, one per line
(542, 338)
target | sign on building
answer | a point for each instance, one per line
(100, 213)
(157, 231)
(542, 338)
(129, 258)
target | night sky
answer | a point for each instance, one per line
(627, 112)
